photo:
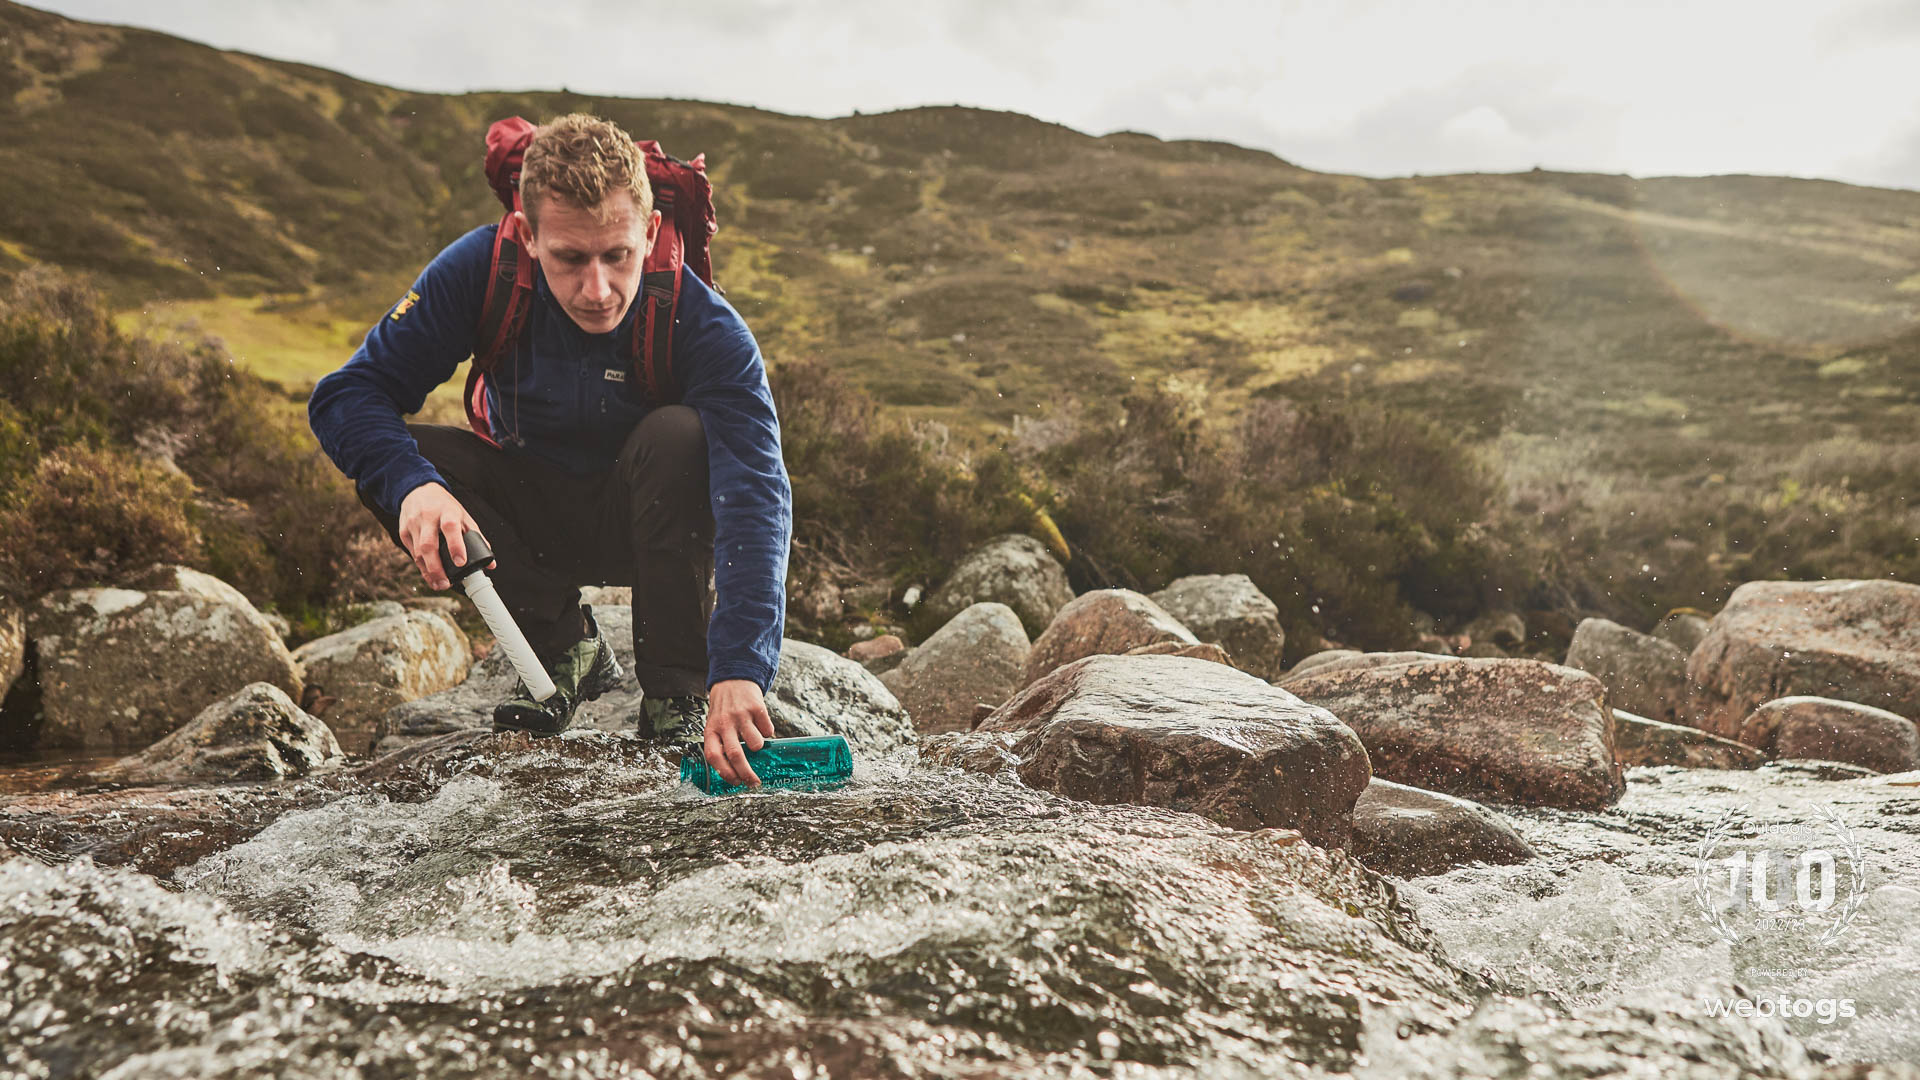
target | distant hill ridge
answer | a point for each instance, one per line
(973, 266)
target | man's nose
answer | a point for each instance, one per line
(598, 284)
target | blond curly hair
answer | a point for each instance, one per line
(582, 159)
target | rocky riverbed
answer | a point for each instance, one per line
(1120, 849)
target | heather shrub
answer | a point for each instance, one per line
(118, 452)
(87, 515)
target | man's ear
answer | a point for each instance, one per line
(653, 231)
(523, 229)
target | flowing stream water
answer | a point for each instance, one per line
(569, 909)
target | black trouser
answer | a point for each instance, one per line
(646, 523)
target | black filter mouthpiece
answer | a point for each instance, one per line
(479, 556)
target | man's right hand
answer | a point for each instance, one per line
(426, 514)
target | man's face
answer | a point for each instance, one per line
(592, 266)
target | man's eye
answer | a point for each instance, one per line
(619, 256)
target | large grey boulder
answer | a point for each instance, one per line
(1105, 621)
(1231, 610)
(819, 692)
(1181, 733)
(256, 734)
(1507, 730)
(979, 656)
(1640, 741)
(1412, 832)
(1643, 674)
(120, 668)
(363, 672)
(1828, 730)
(1851, 640)
(1014, 570)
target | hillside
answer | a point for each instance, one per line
(1673, 351)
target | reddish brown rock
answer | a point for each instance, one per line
(1411, 832)
(1186, 734)
(1829, 730)
(1104, 621)
(875, 648)
(1509, 730)
(1640, 741)
(1849, 640)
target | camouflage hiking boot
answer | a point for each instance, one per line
(582, 673)
(676, 724)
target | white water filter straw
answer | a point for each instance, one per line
(506, 633)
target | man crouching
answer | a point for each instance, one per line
(571, 472)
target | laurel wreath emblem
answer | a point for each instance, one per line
(1703, 886)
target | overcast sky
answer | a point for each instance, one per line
(1827, 88)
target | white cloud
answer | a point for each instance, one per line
(1374, 86)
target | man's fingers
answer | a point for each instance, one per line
(450, 527)
(762, 721)
(426, 552)
(743, 773)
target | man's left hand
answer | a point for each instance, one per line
(736, 715)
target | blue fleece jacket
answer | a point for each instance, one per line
(573, 404)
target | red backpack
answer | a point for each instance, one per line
(684, 198)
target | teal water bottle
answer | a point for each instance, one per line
(808, 762)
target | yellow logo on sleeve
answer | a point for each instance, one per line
(405, 305)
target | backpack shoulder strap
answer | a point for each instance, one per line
(684, 198)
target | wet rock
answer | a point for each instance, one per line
(979, 656)
(1354, 660)
(1516, 731)
(257, 734)
(1829, 730)
(448, 607)
(1440, 646)
(1851, 640)
(1189, 735)
(1104, 621)
(279, 623)
(1412, 832)
(1014, 570)
(1640, 741)
(973, 751)
(380, 664)
(1643, 674)
(120, 668)
(819, 692)
(1208, 651)
(1685, 627)
(1230, 609)
(13, 644)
